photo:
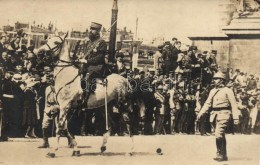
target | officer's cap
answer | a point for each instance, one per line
(95, 26)
(219, 75)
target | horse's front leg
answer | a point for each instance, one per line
(52, 154)
(128, 121)
(71, 138)
(61, 128)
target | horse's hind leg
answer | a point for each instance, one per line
(73, 144)
(104, 143)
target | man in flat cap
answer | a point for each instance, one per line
(95, 51)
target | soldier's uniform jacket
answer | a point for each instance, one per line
(222, 101)
(50, 100)
(160, 103)
(95, 52)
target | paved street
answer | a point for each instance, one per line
(177, 150)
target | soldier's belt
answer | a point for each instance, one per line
(221, 108)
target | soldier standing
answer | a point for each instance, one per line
(222, 101)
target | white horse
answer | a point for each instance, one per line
(68, 90)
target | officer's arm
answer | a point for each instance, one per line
(232, 100)
(208, 102)
(100, 57)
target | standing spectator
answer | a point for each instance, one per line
(175, 53)
(2, 46)
(6, 63)
(159, 110)
(170, 63)
(7, 98)
(241, 80)
(17, 106)
(30, 113)
(252, 83)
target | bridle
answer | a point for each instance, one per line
(58, 46)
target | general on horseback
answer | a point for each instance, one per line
(93, 64)
(82, 82)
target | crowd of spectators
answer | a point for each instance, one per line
(165, 101)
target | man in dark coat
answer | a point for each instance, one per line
(170, 56)
(175, 53)
(2, 47)
(95, 51)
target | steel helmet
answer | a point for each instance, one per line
(219, 75)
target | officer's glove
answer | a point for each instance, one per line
(83, 60)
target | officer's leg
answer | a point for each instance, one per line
(221, 140)
(46, 123)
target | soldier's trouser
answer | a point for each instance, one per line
(47, 121)
(223, 118)
(253, 116)
(158, 123)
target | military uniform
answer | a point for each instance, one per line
(160, 111)
(94, 51)
(223, 102)
(51, 107)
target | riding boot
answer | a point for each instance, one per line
(45, 139)
(218, 145)
(223, 151)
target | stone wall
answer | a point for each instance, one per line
(245, 54)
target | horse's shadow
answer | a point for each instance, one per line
(117, 154)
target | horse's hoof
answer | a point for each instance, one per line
(103, 149)
(50, 155)
(76, 153)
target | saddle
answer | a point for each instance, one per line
(89, 89)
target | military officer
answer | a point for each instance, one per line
(222, 101)
(95, 51)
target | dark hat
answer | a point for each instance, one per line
(120, 54)
(205, 52)
(152, 72)
(174, 38)
(214, 51)
(167, 43)
(31, 48)
(184, 52)
(95, 26)
(160, 46)
(193, 48)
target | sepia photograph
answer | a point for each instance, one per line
(130, 82)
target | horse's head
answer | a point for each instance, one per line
(53, 46)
